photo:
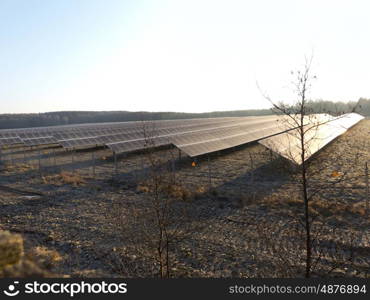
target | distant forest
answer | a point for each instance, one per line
(76, 117)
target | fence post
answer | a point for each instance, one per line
(39, 155)
(73, 160)
(252, 167)
(93, 162)
(12, 157)
(31, 158)
(367, 187)
(115, 162)
(209, 172)
(55, 157)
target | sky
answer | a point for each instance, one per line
(189, 56)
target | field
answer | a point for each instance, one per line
(242, 209)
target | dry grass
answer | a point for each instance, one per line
(11, 249)
(73, 179)
(180, 191)
(19, 167)
(176, 191)
(48, 258)
(337, 208)
(13, 261)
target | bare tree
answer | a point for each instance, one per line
(297, 118)
(159, 220)
(304, 138)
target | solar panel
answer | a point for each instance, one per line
(317, 135)
(8, 133)
(8, 141)
(80, 142)
(224, 139)
(122, 147)
(46, 140)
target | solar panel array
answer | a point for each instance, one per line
(317, 134)
(86, 135)
(192, 136)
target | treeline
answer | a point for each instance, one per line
(362, 106)
(76, 117)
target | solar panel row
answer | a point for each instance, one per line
(317, 134)
(92, 130)
(112, 132)
(107, 126)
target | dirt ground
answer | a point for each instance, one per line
(245, 209)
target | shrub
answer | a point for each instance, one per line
(11, 248)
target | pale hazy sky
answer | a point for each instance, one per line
(192, 56)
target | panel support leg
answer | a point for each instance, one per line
(73, 160)
(209, 172)
(55, 157)
(115, 162)
(93, 162)
(39, 156)
(367, 188)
